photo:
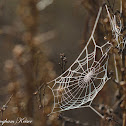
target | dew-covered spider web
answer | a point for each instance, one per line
(80, 83)
(117, 27)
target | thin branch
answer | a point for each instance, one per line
(37, 91)
(5, 106)
(62, 62)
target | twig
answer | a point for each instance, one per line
(110, 6)
(112, 119)
(40, 87)
(123, 64)
(62, 62)
(5, 106)
(118, 102)
(38, 92)
(108, 112)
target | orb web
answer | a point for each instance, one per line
(81, 82)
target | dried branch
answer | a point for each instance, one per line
(5, 106)
(62, 62)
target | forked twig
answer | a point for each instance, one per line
(5, 106)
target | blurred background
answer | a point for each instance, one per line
(34, 35)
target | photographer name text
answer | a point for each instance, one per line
(19, 120)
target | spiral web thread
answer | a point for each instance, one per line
(81, 82)
(116, 27)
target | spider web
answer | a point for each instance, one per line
(116, 27)
(81, 82)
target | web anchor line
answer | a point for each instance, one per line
(98, 113)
